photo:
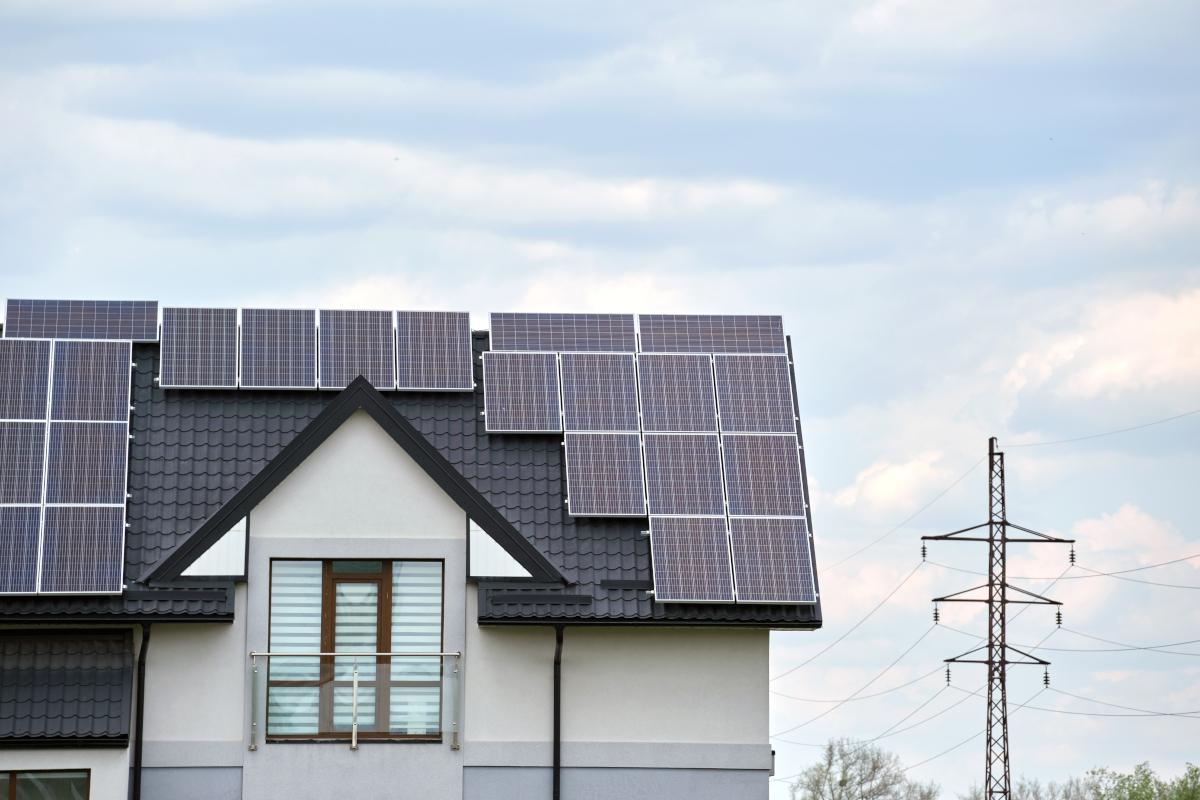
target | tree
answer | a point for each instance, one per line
(850, 770)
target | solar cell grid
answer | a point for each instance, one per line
(710, 333)
(599, 392)
(136, 320)
(18, 548)
(357, 343)
(434, 350)
(755, 394)
(683, 474)
(677, 393)
(772, 561)
(604, 474)
(22, 451)
(86, 462)
(690, 557)
(82, 549)
(597, 333)
(91, 381)
(199, 348)
(24, 378)
(762, 475)
(520, 392)
(279, 348)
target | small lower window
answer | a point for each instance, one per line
(361, 606)
(44, 785)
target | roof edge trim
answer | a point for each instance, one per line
(359, 395)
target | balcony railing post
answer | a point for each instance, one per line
(354, 707)
(455, 693)
(253, 703)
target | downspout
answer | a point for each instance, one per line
(557, 769)
(135, 782)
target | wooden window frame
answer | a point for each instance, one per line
(13, 773)
(325, 682)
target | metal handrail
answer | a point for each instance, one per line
(255, 655)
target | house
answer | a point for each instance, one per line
(164, 609)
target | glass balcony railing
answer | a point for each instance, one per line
(318, 696)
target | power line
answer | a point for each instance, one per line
(1126, 708)
(907, 520)
(1123, 645)
(1106, 433)
(897, 688)
(862, 688)
(1140, 712)
(853, 628)
(1121, 649)
(971, 738)
(1139, 580)
(1096, 573)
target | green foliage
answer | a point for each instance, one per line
(850, 770)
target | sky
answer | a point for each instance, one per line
(976, 218)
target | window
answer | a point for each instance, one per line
(365, 606)
(44, 785)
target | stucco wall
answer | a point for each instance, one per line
(358, 496)
(110, 767)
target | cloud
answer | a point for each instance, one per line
(1139, 343)
(886, 489)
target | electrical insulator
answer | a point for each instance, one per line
(1046, 678)
(936, 615)
(1072, 555)
(947, 674)
(1058, 617)
(924, 551)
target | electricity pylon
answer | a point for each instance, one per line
(1000, 654)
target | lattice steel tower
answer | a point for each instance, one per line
(997, 782)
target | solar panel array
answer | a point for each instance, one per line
(64, 444)
(207, 348)
(434, 351)
(596, 333)
(132, 320)
(604, 474)
(521, 393)
(279, 348)
(699, 407)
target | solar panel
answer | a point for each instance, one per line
(755, 394)
(19, 526)
(596, 333)
(683, 474)
(355, 343)
(24, 378)
(199, 348)
(279, 348)
(772, 561)
(135, 320)
(434, 350)
(762, 475)
(599, 392)
(710, 333)
(91, 381)
(690, 556)
(22, 447)
(604, 475)
(86, 462)
(520, 393)
(677, 393)
(83, 549)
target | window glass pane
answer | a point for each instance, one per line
(295, 619)
(416, 628)
(4, 785)
(415, 710)
(356, 623)
(293, 710)
(342, 706)
(357, 566)
(52, 786)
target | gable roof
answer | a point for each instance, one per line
(359, 395)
